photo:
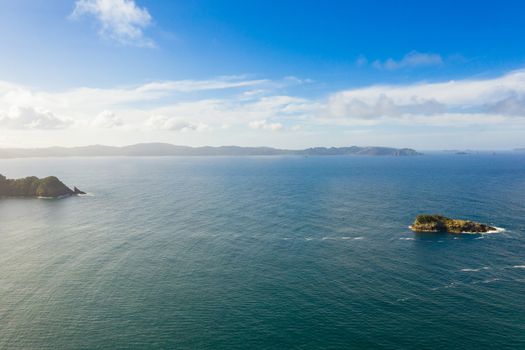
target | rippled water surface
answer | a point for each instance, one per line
(264, 253)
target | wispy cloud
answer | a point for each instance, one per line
(199, 85)
(410, 60)
(120, 20)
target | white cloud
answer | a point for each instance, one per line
(107, 119)
(90, 101)
(502, 96)
(264, 125)
(455, 120)
(234, 111)
(180, 103)
(411, 59)
(147, 112)
(25, 117)
(344, 105)
(120, 20)
(160, 122)
(513, 105)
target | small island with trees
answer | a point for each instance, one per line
(439, 223)
(32, 186)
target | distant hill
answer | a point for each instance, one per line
(166, 149)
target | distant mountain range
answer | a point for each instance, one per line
(519, 150)
(166, 149)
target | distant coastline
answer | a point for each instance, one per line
(166, 149)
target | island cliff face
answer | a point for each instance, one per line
(34, 187)
(439, 223)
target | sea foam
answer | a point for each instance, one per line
(476, 270)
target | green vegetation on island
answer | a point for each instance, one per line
(32, 186)
(439, 223)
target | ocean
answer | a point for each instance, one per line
(264, 253)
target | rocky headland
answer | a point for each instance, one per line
(32, 186)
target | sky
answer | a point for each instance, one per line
(289, 74)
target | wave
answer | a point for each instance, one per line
(518, 266)
(88, 194)
(476, 270)
(451, 285)
(496, 230)
(67, 195)
(407, 239)
(327, 238)
(51, 198)
(491, 280)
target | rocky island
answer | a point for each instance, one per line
(439, 223)
(32, 186)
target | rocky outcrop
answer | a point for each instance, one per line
(77, 191)
(32, 186)
(439, 223)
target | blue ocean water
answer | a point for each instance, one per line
(264, 253)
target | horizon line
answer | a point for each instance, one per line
(518, 148)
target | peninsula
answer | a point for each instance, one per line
(32, 186)
(439, 223)
(166, 149)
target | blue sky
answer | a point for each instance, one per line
(418, 74)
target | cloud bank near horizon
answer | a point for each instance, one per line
(236, 106)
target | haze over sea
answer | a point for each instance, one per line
(264, 253)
